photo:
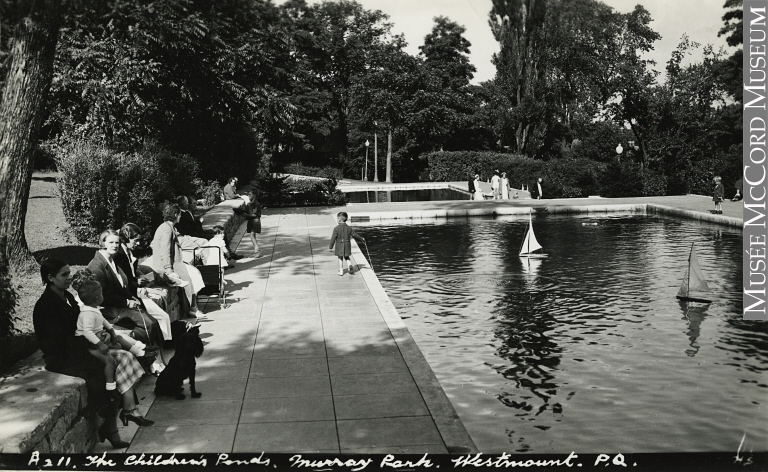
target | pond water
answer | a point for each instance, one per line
(421, 195)
(587, 350)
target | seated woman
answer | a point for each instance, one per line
(166, 260)
(55, 321)
(189, 238)
(130, 238)
(120, 307)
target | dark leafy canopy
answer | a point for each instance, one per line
(193, 73)
(335, 44)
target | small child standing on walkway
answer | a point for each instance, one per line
(341, 238)
(719, 192)
(96, 333)
(253, 213)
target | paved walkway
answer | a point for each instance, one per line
(303, 360)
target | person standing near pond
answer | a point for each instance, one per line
(55, 322)
(471, 187)
(504, 186)
(718, 194)
(539, 192)
(496, 185)
(253, 214)
(342, 239)
(478, 192)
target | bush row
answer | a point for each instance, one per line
(282, 191)
(103, 188)
(562, 177)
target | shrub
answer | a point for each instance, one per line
(211, 191)
(561, 177)
(281, 191)
(102, 188)
(654, 184)
(621, 179)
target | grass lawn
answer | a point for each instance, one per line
(47, 236)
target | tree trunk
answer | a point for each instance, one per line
(389, 156)
(21, 114)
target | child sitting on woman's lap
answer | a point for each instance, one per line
(96, 333)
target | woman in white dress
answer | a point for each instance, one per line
(504, 186)
(478, 192)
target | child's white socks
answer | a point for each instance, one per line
(136, 351)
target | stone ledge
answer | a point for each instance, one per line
(46, 412)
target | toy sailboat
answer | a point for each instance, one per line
(530, 245)
(693, 281)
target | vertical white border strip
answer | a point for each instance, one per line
(755, 179)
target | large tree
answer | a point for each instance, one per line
(208, 79)
(336, 44)
(22, 111)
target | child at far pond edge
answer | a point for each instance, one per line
(341, 238)
(718, 196)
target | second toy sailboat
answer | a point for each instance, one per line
(530, 244)
(693, 281)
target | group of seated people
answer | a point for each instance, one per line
(77, 334)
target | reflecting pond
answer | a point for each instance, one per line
(416, 195)
(588, 349)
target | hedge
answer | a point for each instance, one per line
(282, 191)
(102, 188)
(561, 177)
(324, 172)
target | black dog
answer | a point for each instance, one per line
(181, 366)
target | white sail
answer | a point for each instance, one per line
(529, 244)
(694, 280)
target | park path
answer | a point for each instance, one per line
(303, 360)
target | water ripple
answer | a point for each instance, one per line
(587, 349)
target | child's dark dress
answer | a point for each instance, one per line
(719, 192)
(254, 218)
(341, 237)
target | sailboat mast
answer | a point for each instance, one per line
(688, 288)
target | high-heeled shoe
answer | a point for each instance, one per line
(125, 417)
(114, 439)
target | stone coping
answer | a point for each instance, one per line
(381, 187)
(358, 214)
(45, 411)
(455, 436)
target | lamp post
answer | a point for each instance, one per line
(375, 154)
(619, 150)
(365, 172)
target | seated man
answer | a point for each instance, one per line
(230, 191)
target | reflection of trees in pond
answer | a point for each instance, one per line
(533, 355)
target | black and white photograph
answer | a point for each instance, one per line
(383, 234)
